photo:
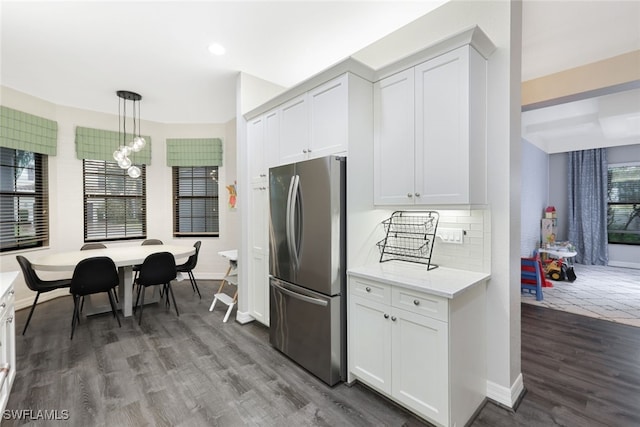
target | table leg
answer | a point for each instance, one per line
(125, 290)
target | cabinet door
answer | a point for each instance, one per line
(294, 130)
(370, 342)
(329, 118)
(255, 144)
(442, 129)
(271, 140)
(393, 143)
(258, 284)
(420, 365)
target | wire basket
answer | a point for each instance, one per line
(409, 237)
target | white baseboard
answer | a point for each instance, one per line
(28, 301)
(624, 264)
(243, 317)
(504, 395)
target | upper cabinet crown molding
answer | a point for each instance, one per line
(473, 36)
(349, 65)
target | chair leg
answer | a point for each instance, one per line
(76, 308)
(113, 306)
(173, 298)
(194, 284)
(213, 303)
(141, 306)
(33, 307)
(137, 298)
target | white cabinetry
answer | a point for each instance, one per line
(430, 136)
(263, 135)
(7, 336)
(422, 350)
(315, 124)
(258, 284)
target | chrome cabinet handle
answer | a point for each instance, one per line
(11, 292)
(10, 319)
(386, 316)
(305, 151)
(409, 195)
(3, 305)
(368, 289)
(417, 194)
(263, 175)
(416, 302)
(393, 318)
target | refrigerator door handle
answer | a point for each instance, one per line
(289, 219)
(292, 223)
(311, 300)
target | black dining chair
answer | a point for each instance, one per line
(136, 268)
(38, 285)
(188, 267)
(158, 269)
(90, 246)
(93, 276)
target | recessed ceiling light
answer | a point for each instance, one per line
(217, 49)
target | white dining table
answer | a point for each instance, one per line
(124, 257)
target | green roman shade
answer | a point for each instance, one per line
(98, 144)
(194, 152)
(26, 132)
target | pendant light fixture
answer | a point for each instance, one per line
(137, 143)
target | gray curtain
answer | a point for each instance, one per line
(588, 205)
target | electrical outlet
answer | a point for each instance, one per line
(451, 235)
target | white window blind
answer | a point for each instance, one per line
(24, 202)
(195, 194)
(114, 203)
(623, 214)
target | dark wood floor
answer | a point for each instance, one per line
(197, 371)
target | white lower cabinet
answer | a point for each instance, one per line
(400, 344)
(7, 336)
(259, 253)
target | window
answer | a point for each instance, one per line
(195, 195)
(623, 212)
(24, 203)
(114, 203)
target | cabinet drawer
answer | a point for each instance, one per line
(421, 303)
(374, 291)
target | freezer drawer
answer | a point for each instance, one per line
(306, 326)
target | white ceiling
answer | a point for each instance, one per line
(79, 53)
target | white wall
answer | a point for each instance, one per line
(66, 192)
(535, 195)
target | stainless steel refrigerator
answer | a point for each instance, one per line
(307, 292)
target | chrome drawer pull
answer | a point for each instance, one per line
(393, 318)
(10, 319)
(416, 302)
(368, 289)
(386, 316)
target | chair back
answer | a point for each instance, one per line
(193, 259)
(530, 276)
(30, 277)
(157, 269)
(88, 246)
(152, 242)
(94, 275)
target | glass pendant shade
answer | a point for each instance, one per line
(125, 163)
(117, 155)
(134, 172)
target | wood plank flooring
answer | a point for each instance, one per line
(194, 370)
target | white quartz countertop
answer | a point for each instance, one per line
(6, 279)
(441, 281)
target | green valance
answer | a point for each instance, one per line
(26, 132)
(98, 144)
(194, 152)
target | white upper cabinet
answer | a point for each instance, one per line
(394, 139)
(430, 138)
(329, 118)
(295, 134)
(271, 139)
